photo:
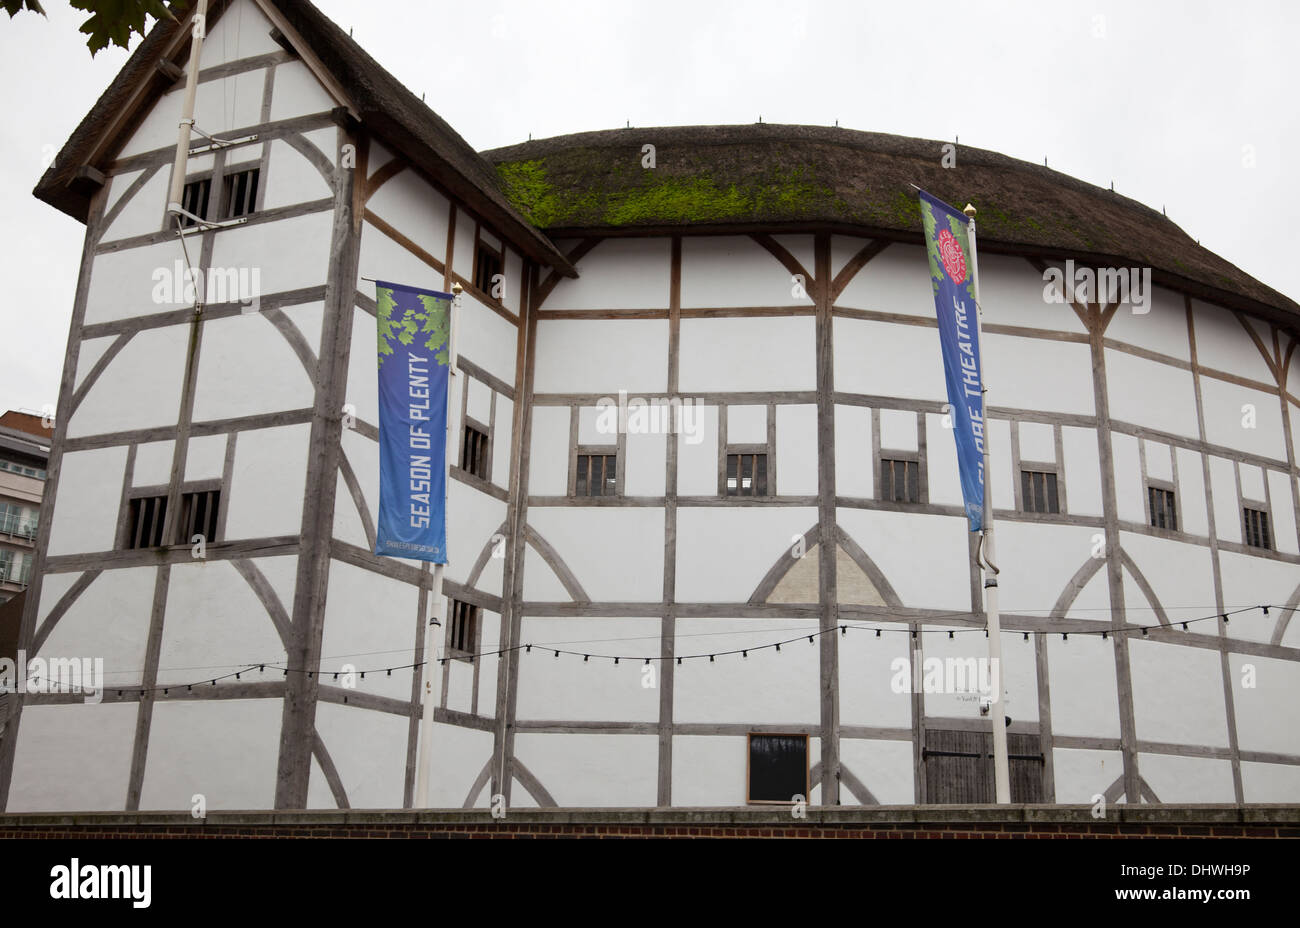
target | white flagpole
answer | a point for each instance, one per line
(1001, 773)
(198, 28)
(439, 603)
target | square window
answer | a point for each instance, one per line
(194, 199)
(1038, 491)
(1163, 513)
(597, 475)
(148, 517)
(462, 629)
(747, 474)
(1257, 531)
(778, 768)
(900, 480)
(474, 452)
(487, 265)
(240, 193)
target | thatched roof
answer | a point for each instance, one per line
(382, 103)
(777, 176)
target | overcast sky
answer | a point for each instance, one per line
(1167, 99)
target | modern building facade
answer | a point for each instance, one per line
(24, 454)
(617, 594)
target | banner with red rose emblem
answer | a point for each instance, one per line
(952, 274)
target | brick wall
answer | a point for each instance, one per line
(950, 822)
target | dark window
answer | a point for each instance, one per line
(959, 767)
(474, 452)
(487, 264)
(462, 631)
(1163, 513)
(199, 515)
(747, 475)
(778, 767)
(194, 199)
(1257, 533)
(900, 481)
(1038, 490)
(597, 475)
(241, 193)
(148, 515)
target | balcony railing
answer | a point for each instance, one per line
(18, 526)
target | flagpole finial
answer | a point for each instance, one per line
(456, 288)
(969, 211)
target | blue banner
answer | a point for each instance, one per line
(414, 330)
(952, 274)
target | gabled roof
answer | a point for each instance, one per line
(383, 105)
(813, 176)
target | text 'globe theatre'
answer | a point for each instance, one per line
(735, 603)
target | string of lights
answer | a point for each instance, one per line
(878, 631)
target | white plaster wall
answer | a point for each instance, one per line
(363, 372)
(1267, 713)
(602, 356)
(592, 770)
(646, 464)
(1082, 776)
(1181, 575)
(501, 441)
(270, 474)
(734, 270)
(884, 359)
(458, 756)
(999, 474)
(462, 259)
(413, 207)
(247, 367)
(242, 32)
(900, 541)
(748, 354)
(515, 283)
(287, 253)
(140, 388)
(1191, 500)
(883, 767)
(1163, 329)
(73, 757)
(898, 430)
(747, 425)
(214, 625)
(778, 687)
(226, 750)
(473, 518)
(1282, 516)
(205, 457)
(124, 595)
(1018, 672)
(1187, 779)
(1243, 419)
(123, 283)
(487, 339)
(571, 689)
(369, 752)
(944, 481)
(796, 450)
(1038, 562)
(548, 457)
(298, 93)
(1082, 471)
(619, 273)
(697, 462)
(723, 553)
(1085, 699)
(1253, 581)
(88, 355)
(291, 178)
(1129, 491)
(153, 463)
(1269, 782)
(1223, 486)
(897, 280)
(854, 470)
(1177, 694)
(1035, 373)
(143, 213)
(709, 770)
(615, 553)
(1222, 344)
(85, 516)
(866, 697)
(1013, 292)
(1037, 442)
(383, 259)
(370, 622)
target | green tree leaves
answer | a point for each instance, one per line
(111, 21)
(412, 324)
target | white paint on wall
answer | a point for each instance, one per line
(900, 541)
(1026, 373)
(1268, 716)
(1223, 486)
(204, 458)
(288, 253)
(741, 354)
(619, 273)
(153, 463)
(92, 349)
(415, 209)
(1037, 443)
(458, 756)
(190, 747)
(298, 93)
(898, 430)
(363, 377)
(464, 249)
(1017, 673)
(479, 400)
(884, 359)
(1283, 514)
(999, 475)
(1269, 782)
(247, 367)
(615, 553)
(370, 622)
(1163, 329)
(140, 388)
(1186, 779)
(796, 450)
(779, 687)
(1242, 419)
(487, 339)
(1181, 575)
(473, 518)
(1223, 344)
(1085, 700)
(1082, 775)
(123, 595)
(895, 281)
(1012, 293)
(291, 178)
(501, 441)
(646, 464)
(883, 767)
(866, 696)
(572, 689)
(1129, 491)
(1252, 482)
(144, 212)
(86, 517)
(270, 474)
(592, 770)
(747, 425)
(943, 479)
(215, 624)
(369, 752)
(1159, 461)
(723, 553)
(242, 31)
(1082, 471)
(697, 463)
(594, 426)
(548, 458)
(50, 759)
(709, 770)
(734, 270)
(1033, 584)
(602, 356)
(1192, 509)
(854, 468)
(1254, 581)
(1177, 694)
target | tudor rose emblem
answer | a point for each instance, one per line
(954, 261)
